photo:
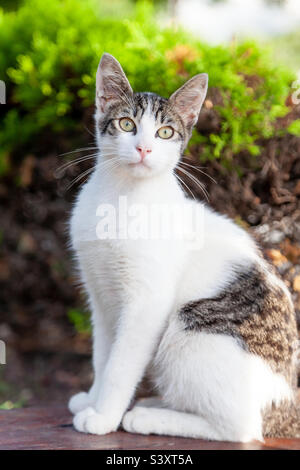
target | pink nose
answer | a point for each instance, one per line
(143, 151)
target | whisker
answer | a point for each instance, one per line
(110, 167)
(177, 176)
(198, 169)
(107, 164)
(112, 158)
(200, 186)
(67, 165)
(77, 151)
(111, 146)
(179, 181)
(89, 131)
(78, 178)
(198, 183)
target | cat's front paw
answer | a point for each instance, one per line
(89, 421)
(79, 402)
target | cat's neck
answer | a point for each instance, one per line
(162, 187)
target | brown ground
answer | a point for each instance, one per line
(50, 427)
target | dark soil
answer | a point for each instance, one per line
(47, 359)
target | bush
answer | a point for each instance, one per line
(49, 55)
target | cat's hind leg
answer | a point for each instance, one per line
(219, 388)
(162, 421)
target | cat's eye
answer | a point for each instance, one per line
(165, 132)
(127, 124)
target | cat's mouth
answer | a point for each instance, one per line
(140, 164)
(139, 169)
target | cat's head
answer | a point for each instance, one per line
(144, 133)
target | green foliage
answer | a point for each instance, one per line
(49, 55)
(80, 320)
(9, 405)
(294, 127)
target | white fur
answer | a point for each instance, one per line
(213, 388)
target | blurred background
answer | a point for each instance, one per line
(247, 139)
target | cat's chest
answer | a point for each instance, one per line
(110, 233)
(103, 214)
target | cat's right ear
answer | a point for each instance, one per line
(111, 83)
(188, 99)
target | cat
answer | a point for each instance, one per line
(205, 317)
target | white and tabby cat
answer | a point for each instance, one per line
(213, 326)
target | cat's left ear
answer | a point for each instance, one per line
(187, 100)
(111, 83)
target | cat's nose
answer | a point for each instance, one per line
(143, 151)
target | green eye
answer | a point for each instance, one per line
(127, 124)
(165, 132)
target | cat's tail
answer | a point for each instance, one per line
(283, 420)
